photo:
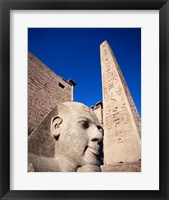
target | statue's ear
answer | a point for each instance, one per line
(55, 122)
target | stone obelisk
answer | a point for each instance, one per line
(122, 124)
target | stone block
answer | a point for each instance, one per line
(122, 167)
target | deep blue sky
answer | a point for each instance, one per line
(75, 53)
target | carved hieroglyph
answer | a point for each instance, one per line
(120, 117)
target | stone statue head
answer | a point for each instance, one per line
(68, 139)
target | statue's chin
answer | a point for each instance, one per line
(90, 158)
(89, 168)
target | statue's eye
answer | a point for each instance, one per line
(84, 124)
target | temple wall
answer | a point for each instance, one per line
(45, 89)
(98, 110)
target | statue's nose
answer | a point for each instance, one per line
(96, 134)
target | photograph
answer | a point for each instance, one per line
(84, 88)
(84, 99)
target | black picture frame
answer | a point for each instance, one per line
(5, 7)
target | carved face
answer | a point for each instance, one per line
(78, 135)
